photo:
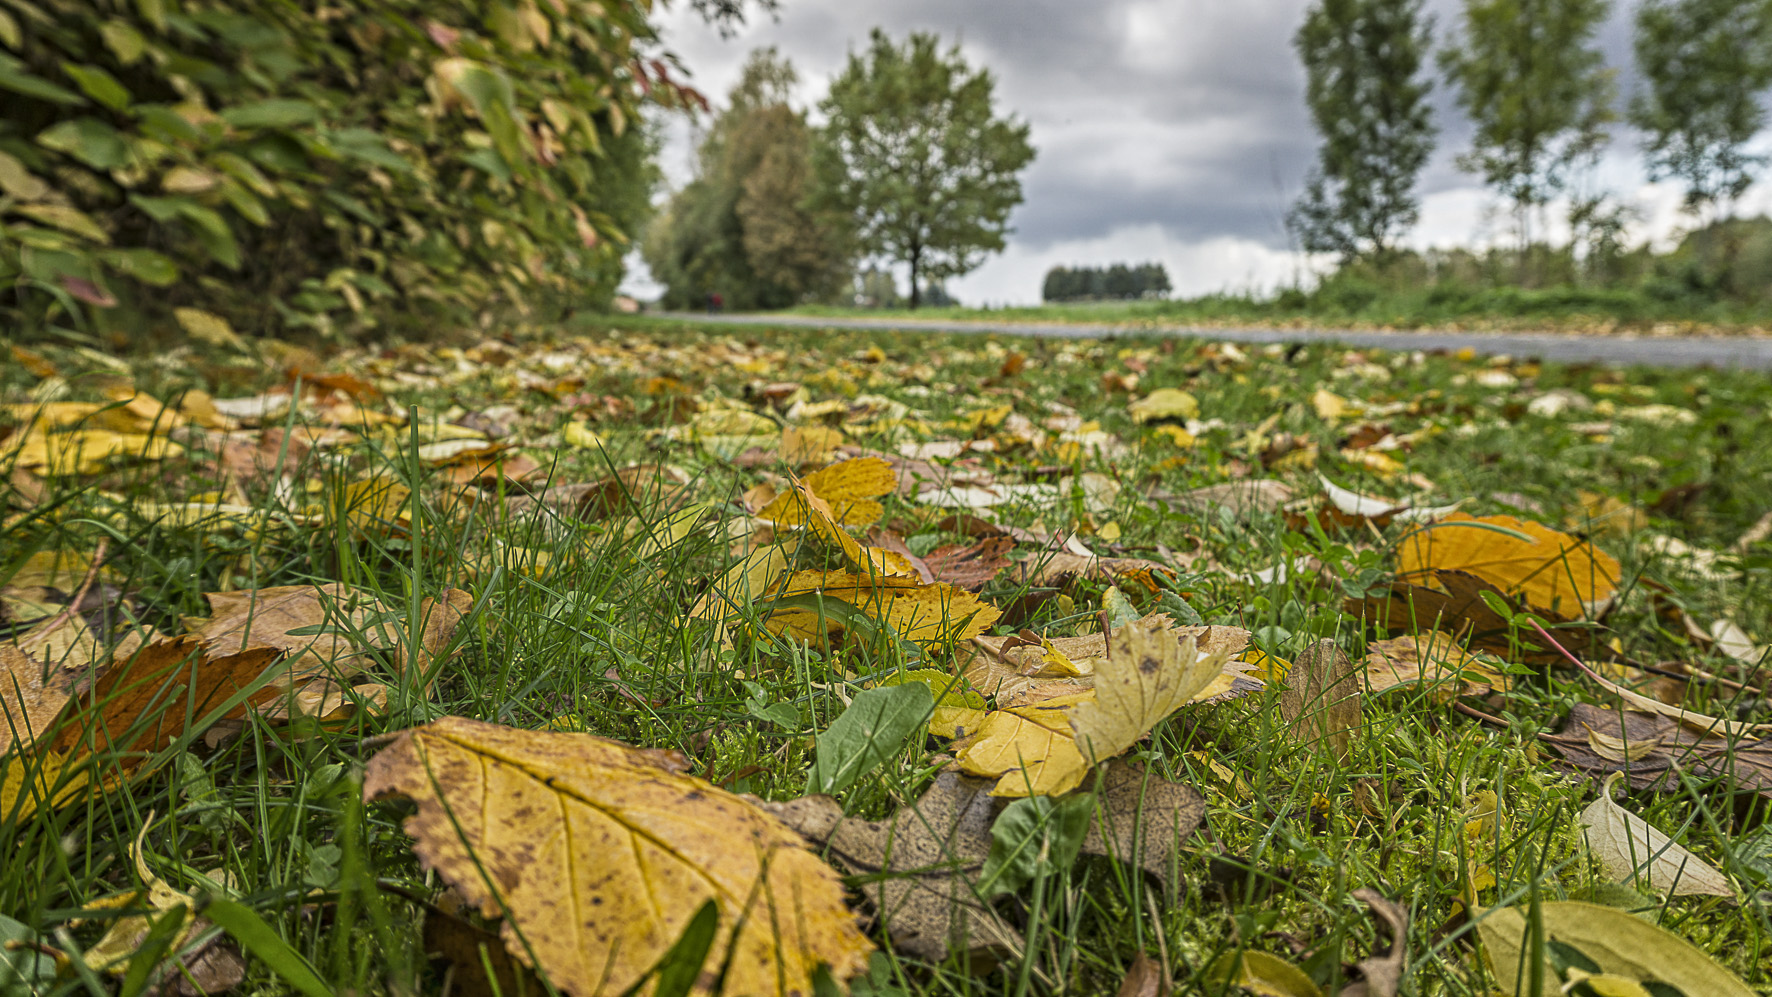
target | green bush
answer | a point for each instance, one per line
(336, 167)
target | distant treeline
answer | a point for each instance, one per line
(1117, 282)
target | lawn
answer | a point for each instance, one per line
(1046, 620)
(1424, 304)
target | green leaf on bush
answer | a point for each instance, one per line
(145, 265)
(124, 41)
(275, 113)
(20, 183)
(15, 77)
(9, 35)
(87, 139)
(98, 84)
(71, 220)
(489, 93)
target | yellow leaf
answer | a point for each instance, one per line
(927, 615)
(956, 721)
(83, 451)
(848, 488)
(799, 505)
(208, 327)
(598, 854)
(1329, 405)
(809, 445)
(1554, 572)
(1146, 676)
(1164, 403)
(1032, 748)
(577, 434)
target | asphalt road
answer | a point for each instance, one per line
(1749, 354)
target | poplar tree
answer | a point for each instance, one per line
(1706, 66)
(1368, 99)
(1538, 90)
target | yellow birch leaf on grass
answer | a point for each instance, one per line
(599, 854)
(803, 506)
(1032, 747)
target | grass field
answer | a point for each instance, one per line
(1359, 305)
(173, 813)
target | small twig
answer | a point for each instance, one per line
(1474, 713)
(41, 635)
(1694, 672)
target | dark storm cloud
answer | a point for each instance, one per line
(1185, 114)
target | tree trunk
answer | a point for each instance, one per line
(916, 265)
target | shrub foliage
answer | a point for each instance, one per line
(332, 167)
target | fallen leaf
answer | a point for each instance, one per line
(1459, 602)
(1144, 978)
(31, 698)
(1164, 403)
(1024, 669)
(927, 615)
(1241, 498)
(1321, 700)
(1630, 848)
(598, 854)
(971, 566)
(1551, 571)
(145, 702)
(1618, 942)
(919, 865)
(1262, 974)
(848, 489)
(1382, 976)
(1431, 659)
(1740, 764)
(266, 617)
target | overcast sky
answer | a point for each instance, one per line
(1169, 130)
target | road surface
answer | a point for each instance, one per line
(1621, 350)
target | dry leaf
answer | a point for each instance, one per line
(1431, 659)
(264, 618)
(930, 851)
(1552, 572)
(1145, 675)
(599, 854)
(1739, 764)
(1630, 848)
(1454, 601)
(31, 697)
(1382, 975)
(1321, 701)
(1624, 946)
(129, 710)
(970, 567)
(848, 488)
(927, 615)
(1024, 669)
(1144, 978)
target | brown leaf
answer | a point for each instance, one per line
(1432, 659)
(215, 968)
(1145, 978)
(1147, 818)
(1056, 569)
(470, 949)
(932, 849)
(598, 854)
(251, 618)
(1453, 601)
(970, 567)
(163, 687)
(1382, 975)
(1744, 765)
(1321, 700)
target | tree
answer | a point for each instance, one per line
(1362, 60)
(1705, 64)
(744, 227)
(1538, 91)
(913, 155)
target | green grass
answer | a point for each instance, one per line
(1359, 304)
(579, 625)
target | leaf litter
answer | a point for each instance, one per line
(848, 519)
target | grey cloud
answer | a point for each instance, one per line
(1183, 113)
